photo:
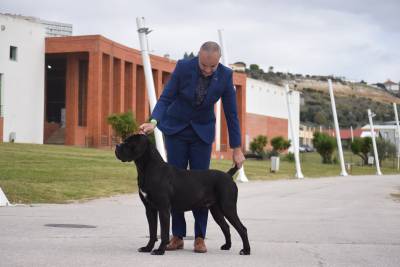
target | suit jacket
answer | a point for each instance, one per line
(176, 107)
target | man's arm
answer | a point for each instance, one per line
(231, 115)
(232, 120)
(166, 98)
(168, 95)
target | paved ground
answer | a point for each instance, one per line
(341, 221)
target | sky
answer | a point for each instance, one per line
(355, 39)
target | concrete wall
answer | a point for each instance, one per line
(267, 112)
(23, 79)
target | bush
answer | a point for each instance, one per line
(385, 149)
(362, 147)
(289, 157)
(123, 124)
(279, 144)
(325, 146)
(258, 144)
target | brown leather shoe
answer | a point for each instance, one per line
(199, 245)
(175, 243)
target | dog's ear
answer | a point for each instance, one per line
(138, 143)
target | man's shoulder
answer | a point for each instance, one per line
(224, 69)
(187, 63)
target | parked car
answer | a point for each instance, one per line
(309, 148)
(306, 148)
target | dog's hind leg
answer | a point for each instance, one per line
(219, 219)
(164, 215)
(151, 215)
(230, 213)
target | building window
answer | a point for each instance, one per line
(82, 94)
(13, 53)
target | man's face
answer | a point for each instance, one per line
(208, 62)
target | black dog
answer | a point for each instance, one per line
(162, 187)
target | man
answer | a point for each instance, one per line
(185, 114)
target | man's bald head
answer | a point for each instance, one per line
(209, 56)
(211, 48)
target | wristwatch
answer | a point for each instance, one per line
(154, 122)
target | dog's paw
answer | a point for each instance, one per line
(226, 247)
(245, 252)
(145, 249)
(158, 252)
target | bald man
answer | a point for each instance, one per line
(185, 115)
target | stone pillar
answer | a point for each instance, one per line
(71, 99)
(94, 99)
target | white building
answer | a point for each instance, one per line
(267, 112)
(22, 47)
(387, 132)
(392, 86)
(53, 28)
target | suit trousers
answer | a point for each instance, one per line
(184, 149)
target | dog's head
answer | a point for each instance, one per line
(132, 148)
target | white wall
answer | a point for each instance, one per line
(268, 99)
(23, 80)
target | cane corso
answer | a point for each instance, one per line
(162, 187)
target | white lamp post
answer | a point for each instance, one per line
(299, 174)
(371, 125)
(338, 139)
(143, 31)
(398, 134)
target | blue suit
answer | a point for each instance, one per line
(176, 107)
(189, 129)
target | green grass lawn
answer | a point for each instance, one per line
(58, 174)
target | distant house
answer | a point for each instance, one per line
(238, 66)
(392, 86)
(386, 131)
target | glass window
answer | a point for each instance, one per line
(13, 53)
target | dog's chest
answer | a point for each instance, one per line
(143, 193)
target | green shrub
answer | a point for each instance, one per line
(258, 144)
(325, 146)
(385, 149)
(361, 146)
(279, 144)
(123, 124)
(289, 157)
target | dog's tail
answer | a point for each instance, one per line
(232, 170)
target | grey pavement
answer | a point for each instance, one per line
(338, 221)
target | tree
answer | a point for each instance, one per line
(254, 67)
(271, 69)
(258, 144)
(325, 146)
(279, 144)
(362, 147)
(188, 56)
(320, 118)
(385, 149)
(123, 124)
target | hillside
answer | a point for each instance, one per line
(348, 89)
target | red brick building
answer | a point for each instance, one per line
(90, 77)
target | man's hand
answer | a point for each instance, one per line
(238, 157)
(147, 128)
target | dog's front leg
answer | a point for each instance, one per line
(151, 215)
(164, 223)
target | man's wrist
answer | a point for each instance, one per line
(154, 122)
